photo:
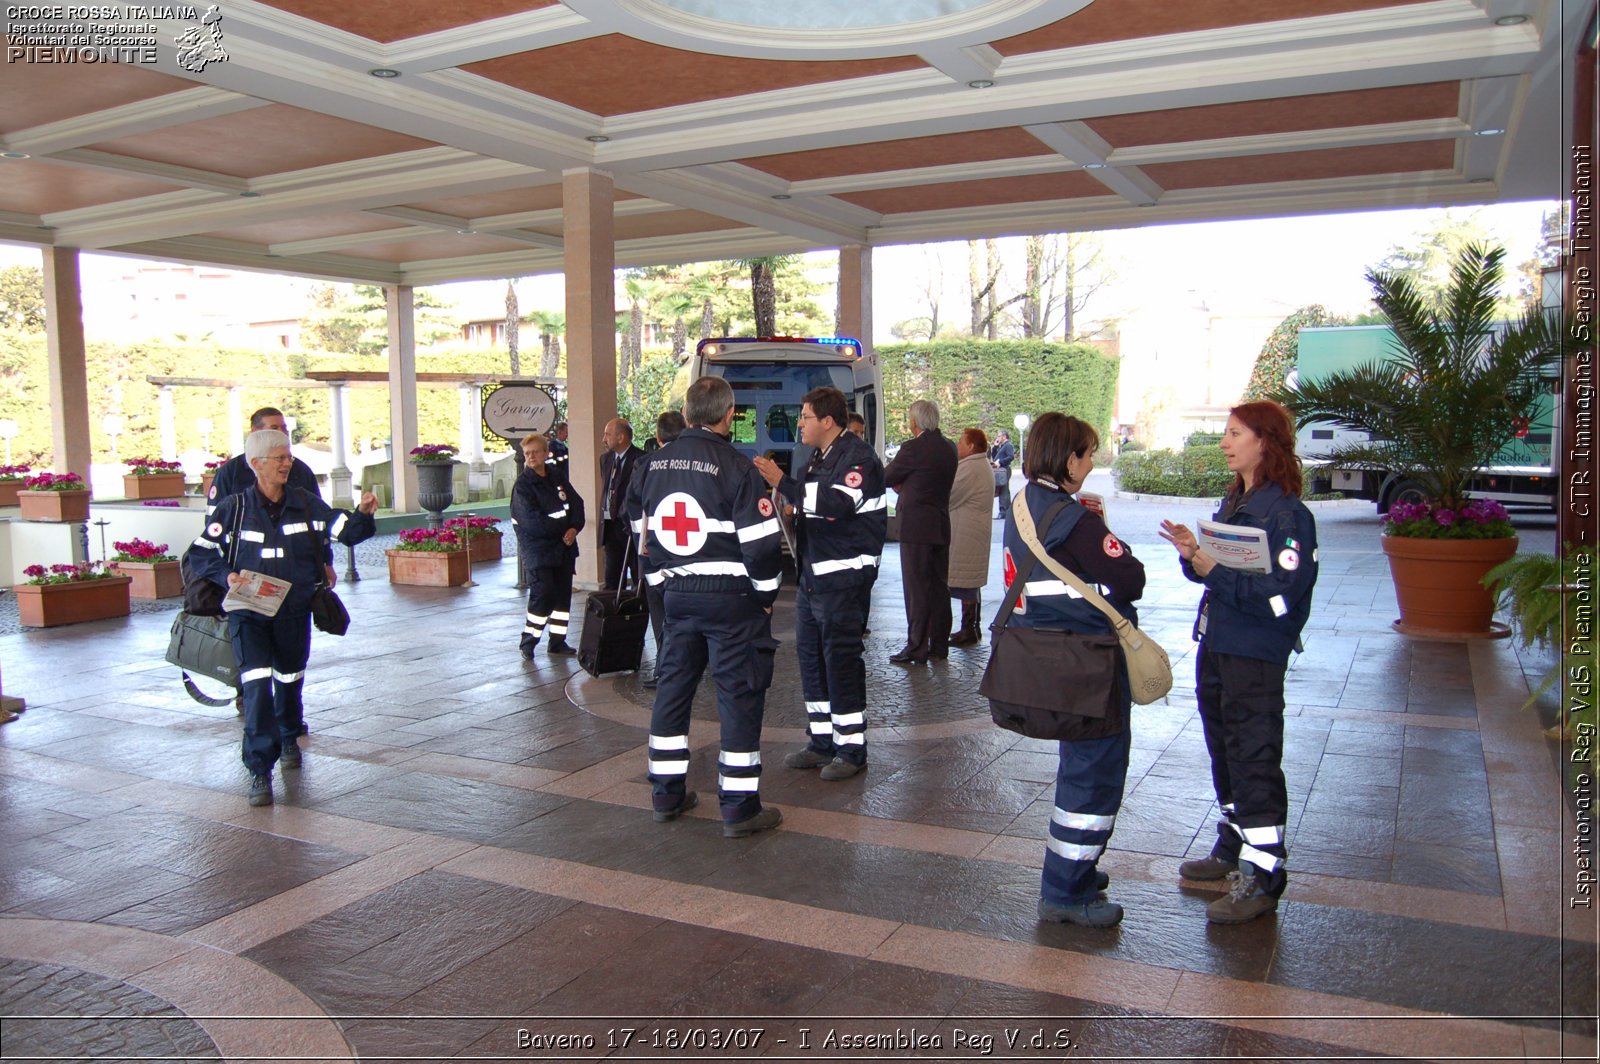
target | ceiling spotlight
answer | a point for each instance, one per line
(980, 83)
(247, 194)
(597, 138)
(1094, 166)
(1491, 132)
(466, 232)
(1510, 20)
(781, 195)
(13, 155)
(46, 228)
(384, 72)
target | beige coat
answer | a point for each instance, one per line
(971, 521)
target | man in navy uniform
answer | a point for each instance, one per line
(710, 539)
(669, 426)
(557, 459)
(616, 469)
(548, 515)
(842, 529)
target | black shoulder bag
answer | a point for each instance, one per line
(200, 643)
(327, 608)
(1046, 683)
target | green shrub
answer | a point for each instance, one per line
(1203, 439)
(1194, 473)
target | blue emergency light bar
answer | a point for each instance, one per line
(711, 347)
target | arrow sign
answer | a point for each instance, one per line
(512, 411)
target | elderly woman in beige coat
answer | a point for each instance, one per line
(971, 497)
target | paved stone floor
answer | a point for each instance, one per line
(464, 868)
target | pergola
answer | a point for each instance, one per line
(407, 142)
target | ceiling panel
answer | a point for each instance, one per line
(670, 223)
(1305, 165)
(1122, 20)
(443, 246)
(314, 227)
(267, 140)
(29, 187)
(513, 201)
(395, 20)
(38, 93)
(912, 153)
(615, 75)
(1072, 184)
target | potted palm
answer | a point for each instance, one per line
(1455, 390)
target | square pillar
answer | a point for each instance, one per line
(855, 294)
(402, 395)
(590, 260)
(69, 376)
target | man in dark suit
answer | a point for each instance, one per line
(922, 474)
(616, 469)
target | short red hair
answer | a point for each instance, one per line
(1275, 429)
(976, 440)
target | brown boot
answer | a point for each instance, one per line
(967, 634)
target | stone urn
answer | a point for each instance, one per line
(435, 489)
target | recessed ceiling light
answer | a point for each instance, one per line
(466, 232)
(1491, 132)
(980, 83)
(1094, 166)
(597, 138)
(1510, 20)
(13, 155)
(781, 195)
(384, 72)
(247, 194)
(46, 228)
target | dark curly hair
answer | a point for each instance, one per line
(1275, 428)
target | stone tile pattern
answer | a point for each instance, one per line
(61, 1013)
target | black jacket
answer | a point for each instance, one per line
(922, 474)
(614, 489)
(235, 475)
(292, 548)
(543, 508)
(844, 515)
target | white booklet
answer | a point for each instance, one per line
(1236, 546)
(1095, 504)
(259, 592)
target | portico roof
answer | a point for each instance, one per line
(735, 129)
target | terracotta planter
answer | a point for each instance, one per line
(54, 505)
(8, 492)
(428, 568)
(1438, 584)
(152, 580)
(205, 484)
(47, 605)
(484, 547)
(152, 486)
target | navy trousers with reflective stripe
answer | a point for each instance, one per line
(1090, 774)
(1241, 709)
(733, 635)
(272, 653)
(549, 606)
(833, 676)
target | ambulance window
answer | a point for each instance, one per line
(744, 423)
(783, 422)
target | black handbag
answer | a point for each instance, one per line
(1046, 683)
(328, 612)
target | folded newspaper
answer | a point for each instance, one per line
(260, 593)
(1236, 546)
(1095, 504)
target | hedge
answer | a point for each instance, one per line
(1194, 472)
(986, 383)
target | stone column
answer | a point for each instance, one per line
(855, 294)
(339, 475)
(169, 423)
(402, 395)
(69, 376)
(590, 259)
(478, 485)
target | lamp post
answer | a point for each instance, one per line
(8, 432)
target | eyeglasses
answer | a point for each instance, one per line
(808, 417)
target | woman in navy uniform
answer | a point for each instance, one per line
(283, 532)
(548, 514)
(1247, 625)
(1091, 770)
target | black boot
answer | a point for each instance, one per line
(967, 634)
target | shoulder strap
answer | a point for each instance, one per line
(1030, 537)
(238, 523)
(1020, 510)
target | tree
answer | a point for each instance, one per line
(354, 319)
(764, 289)
(1453, 389)
(1428, 261)
(983, 277)
(22, 298)
(552, 325)
(513, 318)
(1282, 349)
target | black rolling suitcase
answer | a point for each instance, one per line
(614, 626)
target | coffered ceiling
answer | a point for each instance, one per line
(738, 128)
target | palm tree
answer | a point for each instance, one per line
(764, 289)
(677, 305)
(639, 290)
(1454, 390)
(513, 319)
(552, 324)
